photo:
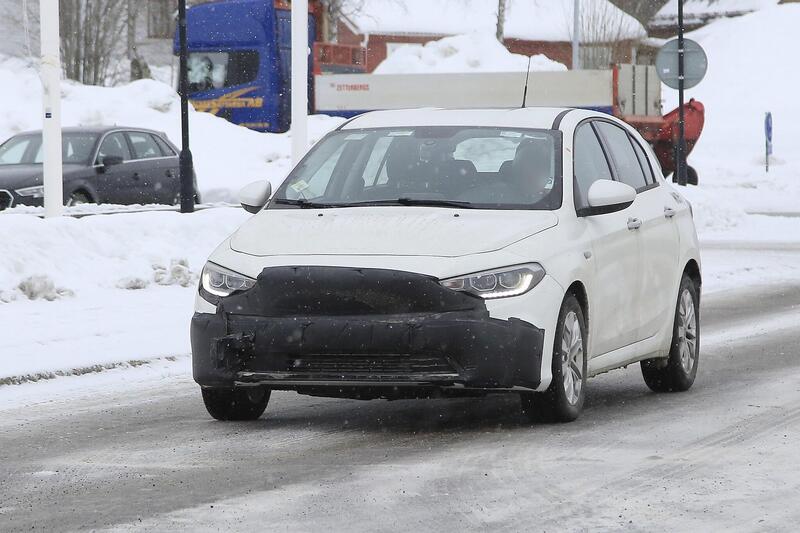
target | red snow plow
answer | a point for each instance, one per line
(662, 134)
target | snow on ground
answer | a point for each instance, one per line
(103, 290)
(226, 156)
(747, 76)
(474, 52)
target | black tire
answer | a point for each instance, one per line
(555, 404)
(691, 175)
(674, 374)
(246, 403)
(78, 198)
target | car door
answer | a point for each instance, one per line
(657, 232)
(154, 171)
(113, 182)
(172, 171)
(660, 246)
(615, 251)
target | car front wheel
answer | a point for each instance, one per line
(236, 403)
(677, 373)
(563, 400)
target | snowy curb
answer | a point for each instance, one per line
(80, 371)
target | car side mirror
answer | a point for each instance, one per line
(255, 196)
(111, 160)
(607, 196)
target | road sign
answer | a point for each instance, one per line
(695, 64)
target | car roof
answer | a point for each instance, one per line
(92, 129)
(527, 117)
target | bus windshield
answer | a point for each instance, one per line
(218, 70)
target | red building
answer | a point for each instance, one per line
(532, 27)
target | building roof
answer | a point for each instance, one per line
(531, 20)
(702, 11)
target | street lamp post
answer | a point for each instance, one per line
(186, 163)
(681, 163)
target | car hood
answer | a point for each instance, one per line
(18, 176)
(401, 231)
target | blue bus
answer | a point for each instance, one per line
(240, 61)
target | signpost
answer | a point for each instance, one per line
(51, 109)
(185, 162)
(768, 136)
(681, 64)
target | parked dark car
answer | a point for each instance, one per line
(109, 165)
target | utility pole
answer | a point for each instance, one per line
(185, 162)
(51, 108)
(576, 36)
(680, 167)
(299, 79)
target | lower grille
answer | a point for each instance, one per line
(369, 365)
(5, 200)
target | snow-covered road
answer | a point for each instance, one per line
(144, 454)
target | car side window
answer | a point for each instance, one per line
(643, 161)
(629, 170)
(114, 145)
(589, 163)
(166, 149)
(144, 146)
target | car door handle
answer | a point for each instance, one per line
(136, 175)
(634, 223)
(669, 212)
(170, 173)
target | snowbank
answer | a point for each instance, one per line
(226, 156)
(77, 256)
(746, 78)
(474, 52)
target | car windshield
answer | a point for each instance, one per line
(27, 149)
(472, 167)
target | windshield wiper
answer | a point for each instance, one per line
(302, 203)
(431, 202)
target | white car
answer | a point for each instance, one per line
(430, 252)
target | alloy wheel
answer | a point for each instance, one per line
(687, 331)
(572, 358)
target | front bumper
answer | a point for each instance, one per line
(302, 327)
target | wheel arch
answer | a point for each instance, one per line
(692, 269)
(578, 289)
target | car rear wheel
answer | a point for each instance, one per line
(563, 400)
(236, 403)
(677, 373)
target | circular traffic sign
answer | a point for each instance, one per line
(695, 63)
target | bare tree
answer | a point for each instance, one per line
(91, 37)
(501, 21)
(607, 34)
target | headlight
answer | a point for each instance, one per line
(217, 282)
(500, 283)
(35, 192)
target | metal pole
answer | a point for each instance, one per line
(681, 163)
(186, 163)
(299, 79)
(51, 109)
(576, 36)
